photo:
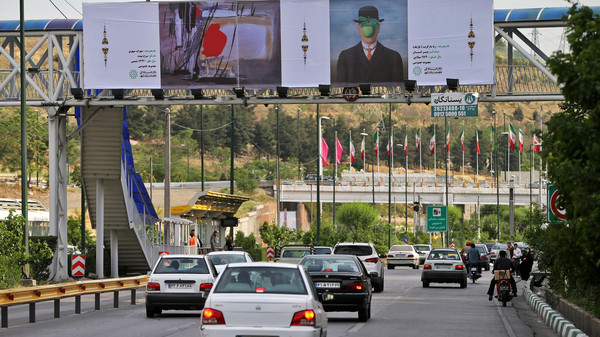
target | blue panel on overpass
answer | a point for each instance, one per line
(9, 25)
(36, 24)
(62, 24)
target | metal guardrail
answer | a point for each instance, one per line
(56, 292)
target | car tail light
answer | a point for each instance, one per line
(212, 316)
(260, 290)
(153, 286)
(205, 286)
(372, 260)
(359, 286)
(304, 318)
(459, 267)
(484, 257)
(410, 255)
(427, 266)
(493, 253)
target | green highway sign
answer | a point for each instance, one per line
(454, 104)
(437, 218)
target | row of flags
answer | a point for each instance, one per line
(537, 144)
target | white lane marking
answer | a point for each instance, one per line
(507, 326)
(356, 328)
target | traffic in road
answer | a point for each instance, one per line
(404, 308)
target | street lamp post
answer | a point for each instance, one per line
(320, 171)
(497, 182)
(405, 188)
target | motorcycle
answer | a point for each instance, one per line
(503, 291)
(473, 274)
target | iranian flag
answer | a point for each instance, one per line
(352, 150)
(521, 139)
(448, 139)
(362, 149)
(432, 143)
(513, 137)
(406, 142)
(376, 142)
(418, 139)
(324, 151)
(491, 137)
(390, 144)
(338, 151)
(477, 138)
(537, 144)
(462, 138)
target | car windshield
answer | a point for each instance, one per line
(399, 248)
(322, 250)
(330, 264)
(295, 253)
(353, 250)
(181, 265)
(443, 255)
(218, 259)
(261, 280)
(423, 247)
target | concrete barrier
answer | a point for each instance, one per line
(551, 317)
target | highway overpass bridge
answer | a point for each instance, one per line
(52, 70)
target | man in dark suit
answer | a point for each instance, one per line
(369, 61)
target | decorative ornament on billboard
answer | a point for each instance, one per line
(105, 46)
(304, 43)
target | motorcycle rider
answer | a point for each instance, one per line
(473, 258)
(503, 263)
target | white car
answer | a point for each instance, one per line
(402, 255)
(367, 253)
(495, 252)
(178, 282)
(221, 258)
(423, 250)
(263, 299)
(444, 265)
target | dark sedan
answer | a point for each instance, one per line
(342, 283)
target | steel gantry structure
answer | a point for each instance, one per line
(54, 72)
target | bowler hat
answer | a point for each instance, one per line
(369, 12)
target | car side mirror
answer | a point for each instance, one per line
(382, 256)
(372, 274)
(418, 251)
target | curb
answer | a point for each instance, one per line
(551, 317)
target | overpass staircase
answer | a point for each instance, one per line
(106, 155)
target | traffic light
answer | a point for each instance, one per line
(416, 206)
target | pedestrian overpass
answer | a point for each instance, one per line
(118, 202)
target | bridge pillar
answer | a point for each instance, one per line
(100, 227)
(114, 253)
(57, 146)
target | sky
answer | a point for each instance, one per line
(549, 39)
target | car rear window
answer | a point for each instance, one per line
(181, 265)
(261, 280)
(322, 250)
(295, 253)
(443, 255)
(353, 250)
(499, 247)
(330, 264)
(423, 247)
(218, 259)
(401, 249)
(480, 249)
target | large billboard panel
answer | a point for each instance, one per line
(451, 39)
(295, 43)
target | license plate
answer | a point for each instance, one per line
(180, 286)
(327, 285)
(443, 266)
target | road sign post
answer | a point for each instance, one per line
(556, 213)
(78, 265)
(437, 218)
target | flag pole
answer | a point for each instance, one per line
(377, 156)
(434, 155)
(350, 148)
(420, 158)
(335, 160)
(477, 153)
(463, 153)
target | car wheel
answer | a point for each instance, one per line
(390, 266)
(363, 313)
(149, 312)
(463, 284)
(425, 284)
(416, 266)
(369, 313)
(378, 286)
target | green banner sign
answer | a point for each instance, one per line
(456, 104)
(437, 218)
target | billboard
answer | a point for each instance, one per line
(294, 43)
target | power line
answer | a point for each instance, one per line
(206, 130)
(53, 4)
(74, 8)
